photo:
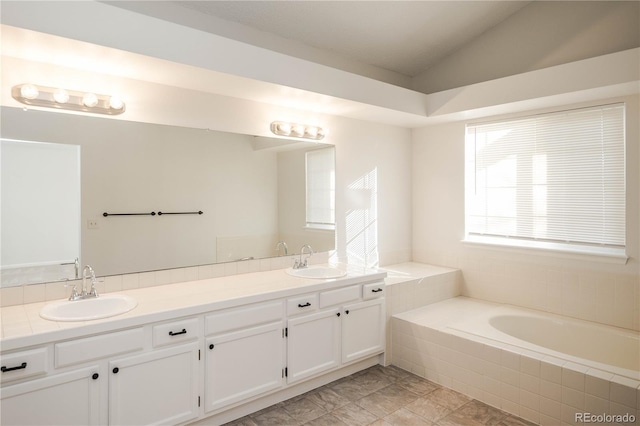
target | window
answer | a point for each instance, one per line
(321, 188)
(554, 181)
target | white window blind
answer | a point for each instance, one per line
(557, 177)
(320, 197)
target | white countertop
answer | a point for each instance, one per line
(22, 325)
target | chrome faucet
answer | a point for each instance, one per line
(84, 294)
(300, 264)
(283, 244)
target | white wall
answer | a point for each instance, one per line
(373, 200)
(602, 292)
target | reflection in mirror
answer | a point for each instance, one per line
(251, 190)
(40, 211)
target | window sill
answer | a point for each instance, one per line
(330, 228)
(569, 251)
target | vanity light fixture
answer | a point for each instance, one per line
(52, 97)
(295, 130)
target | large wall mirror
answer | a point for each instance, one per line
(252, 192)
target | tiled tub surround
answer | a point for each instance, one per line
(33, 293)
(534, 385)
(411, 285)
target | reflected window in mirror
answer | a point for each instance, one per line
(320, 188)
(40, 211)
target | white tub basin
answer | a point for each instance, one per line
(317, 272)
(105, 306)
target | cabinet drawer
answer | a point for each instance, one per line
(246, 316)
(372, 291)
(301, 304)
(341, 295)
(91, 348)
(175, 332)
(19, 365)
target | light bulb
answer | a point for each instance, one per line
(61, 96)
(90, 100)
(29, 91)
(297, 130)
(284, 128)
(116, 103)
(311, 132)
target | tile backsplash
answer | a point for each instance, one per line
(33, 293)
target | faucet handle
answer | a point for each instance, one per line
(74, 291)
(93, 291)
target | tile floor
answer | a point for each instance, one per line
(381, 396)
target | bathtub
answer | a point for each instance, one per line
(543, 367)
(609, 349)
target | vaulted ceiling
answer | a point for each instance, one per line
(406, 37)
(427, 45)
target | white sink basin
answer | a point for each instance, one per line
(318, 272)
(105, 306)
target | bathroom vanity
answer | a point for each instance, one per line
(217, 348)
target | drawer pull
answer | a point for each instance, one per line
(211, 346)
(95, 376)
(305, 305)
(377, 290)
(4, 369)
(184, 331)
(115, 370)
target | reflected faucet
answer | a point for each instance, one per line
(283, 244)
(300, 264)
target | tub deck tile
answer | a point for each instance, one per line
(532, 386)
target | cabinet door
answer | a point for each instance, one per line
(160, 387)
(362, 330)
(313, 345)
(243, 364)
(65, 399)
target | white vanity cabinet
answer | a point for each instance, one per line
(313, 344)
(362, 329)
(220, 362)
(117, 378)
(158, 387)
(342, 330)
(71, 398)
(244, 353)
(65, 381)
